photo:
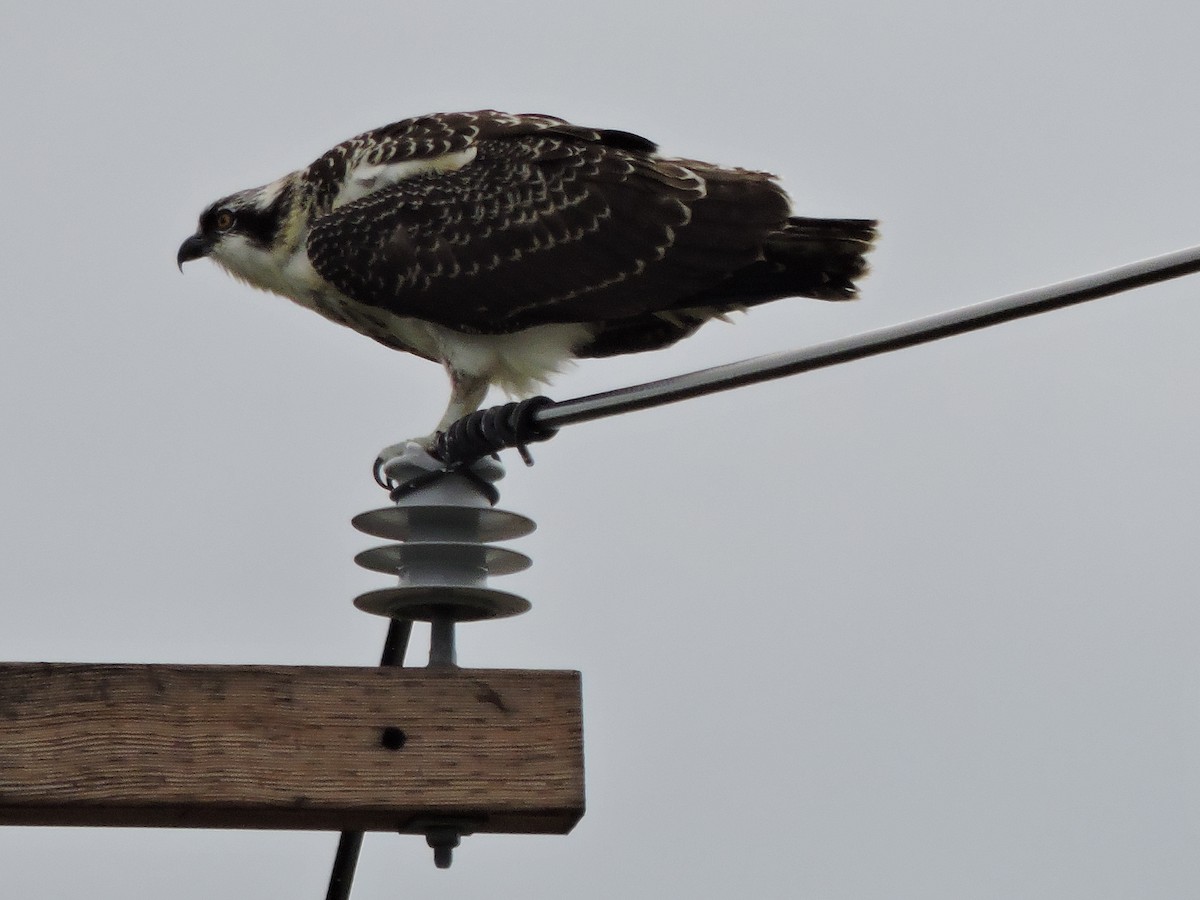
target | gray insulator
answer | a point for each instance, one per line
(442, 561)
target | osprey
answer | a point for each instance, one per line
(502, 246)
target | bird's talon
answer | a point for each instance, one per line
(380, 478)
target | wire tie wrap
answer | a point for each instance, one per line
(486, 432)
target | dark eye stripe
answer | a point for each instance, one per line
(260, 226)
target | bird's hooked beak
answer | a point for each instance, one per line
(196, 246)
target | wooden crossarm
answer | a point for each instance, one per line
(368, 749)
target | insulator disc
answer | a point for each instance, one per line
(424, 604)
(451, 523)
(393, 557)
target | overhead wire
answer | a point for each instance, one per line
(872, 343)
(515, 425)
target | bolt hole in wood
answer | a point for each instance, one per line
(392, 738)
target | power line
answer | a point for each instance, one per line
(497, 428)
(872, 343)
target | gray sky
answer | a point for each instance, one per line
(920, 627)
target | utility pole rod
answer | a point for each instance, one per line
(341, 877)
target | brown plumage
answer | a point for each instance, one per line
(503, 245)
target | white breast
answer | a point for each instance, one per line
(517, 363)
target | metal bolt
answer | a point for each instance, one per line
(443, 839)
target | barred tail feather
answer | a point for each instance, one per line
(819, 258)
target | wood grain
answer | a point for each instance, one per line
(289, 747)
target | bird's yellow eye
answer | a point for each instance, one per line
(224, 220)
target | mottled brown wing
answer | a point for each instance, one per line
(546, 228)
(437, 135)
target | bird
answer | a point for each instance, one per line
(504, 246)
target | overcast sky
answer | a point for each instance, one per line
(924, 626)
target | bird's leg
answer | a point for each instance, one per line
(466, 396)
